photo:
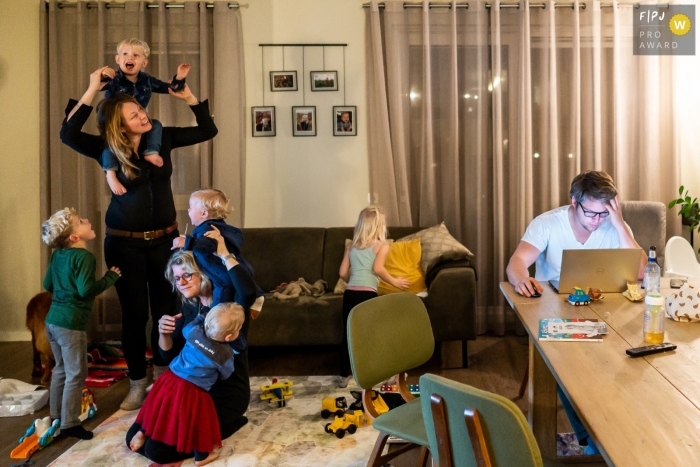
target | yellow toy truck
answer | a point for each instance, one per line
(335, 406)
(347, 423)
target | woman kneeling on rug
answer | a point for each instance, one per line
(230, 396)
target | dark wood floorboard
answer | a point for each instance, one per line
(496, 364)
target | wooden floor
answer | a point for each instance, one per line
(496, 364)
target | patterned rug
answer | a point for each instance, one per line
(274, 437)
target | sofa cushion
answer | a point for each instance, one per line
(299, 321)
(403, 260)
(438, 245)
(284, 254)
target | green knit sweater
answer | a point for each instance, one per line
(71, 279)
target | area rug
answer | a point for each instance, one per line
(274, 437)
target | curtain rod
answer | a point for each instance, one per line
(121, 5)
(509, 5)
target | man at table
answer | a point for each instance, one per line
(592, 221)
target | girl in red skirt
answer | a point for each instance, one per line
(179, 411)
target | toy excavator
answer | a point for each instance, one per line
(277, 392)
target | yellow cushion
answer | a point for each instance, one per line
(403, 260)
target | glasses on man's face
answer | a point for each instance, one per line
(187, 276)
(592, 214)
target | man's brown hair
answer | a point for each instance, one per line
(593, 185)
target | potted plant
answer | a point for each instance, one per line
(690, 211)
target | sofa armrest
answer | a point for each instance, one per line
(451, 304)
(450, 263)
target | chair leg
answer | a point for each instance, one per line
(465, 360)
(523, 385)
(423, 457)
(377, 460)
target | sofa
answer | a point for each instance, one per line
(284, 254)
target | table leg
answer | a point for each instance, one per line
(542, 404)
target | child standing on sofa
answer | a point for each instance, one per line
(71, 279)
(362, 267)
(179, 410)
(132, 58)
(208, 210)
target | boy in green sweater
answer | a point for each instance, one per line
(71, 279)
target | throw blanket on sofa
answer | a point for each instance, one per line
(301, 287)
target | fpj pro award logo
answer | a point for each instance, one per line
(664, 30)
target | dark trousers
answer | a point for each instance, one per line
(143, 283)
(351, 298)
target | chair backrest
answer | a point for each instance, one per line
(647, 219)
(388, 335)
(508, 436)
(680, 258)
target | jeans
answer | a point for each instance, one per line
(70, 351)
(153, 140)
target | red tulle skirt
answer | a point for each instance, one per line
(181, 414)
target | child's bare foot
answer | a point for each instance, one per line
(154, 159)
(210, 458)
(182, 70)
(114, 184)
(137, 441)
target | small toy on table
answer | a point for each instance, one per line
(578, 297)
(277, 392)
(335, 406)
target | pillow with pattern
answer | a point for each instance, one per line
(437, 245)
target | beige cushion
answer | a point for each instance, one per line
(438, 245)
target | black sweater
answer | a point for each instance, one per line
(148, 202)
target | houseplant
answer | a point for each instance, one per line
(690, 210)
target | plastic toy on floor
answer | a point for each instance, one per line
(87, 405)
(379, 404)
(37, 437)
(349, 423)
(330, 406)
(277, 392)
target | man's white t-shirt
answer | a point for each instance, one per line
(551, 233)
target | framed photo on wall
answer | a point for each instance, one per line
(283, 81)
(264, 121)
(344, 120)
(324, 80)
(304, 120)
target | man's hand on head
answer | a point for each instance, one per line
(528, 287)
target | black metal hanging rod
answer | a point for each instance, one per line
(111, 5)
(510, 5)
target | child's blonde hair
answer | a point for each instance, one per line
(214, 201)
(56, 230)
(135, 43)
(224, 319)
(371, 226)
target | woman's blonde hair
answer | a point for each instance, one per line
(224, 319)
(186, 260)
(56, 230)
(371, 226)
(214, 201)
(110, 123)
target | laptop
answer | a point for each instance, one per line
(607, 269)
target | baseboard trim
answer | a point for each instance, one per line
(12, 336)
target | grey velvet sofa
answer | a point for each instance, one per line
(285, 254)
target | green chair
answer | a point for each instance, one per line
(390, 335)
(470, 427)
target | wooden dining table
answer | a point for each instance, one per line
(641, 411)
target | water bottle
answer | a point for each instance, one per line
(654, 316)
(652, 273)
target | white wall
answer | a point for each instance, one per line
(317, 181)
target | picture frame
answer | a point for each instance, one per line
(259, 125)
(304, 120)
(344, 120)
(283, 81)
(324, 81)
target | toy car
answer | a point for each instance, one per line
(347, 423)
(578, 297)
(277, 392)
(335, 406)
